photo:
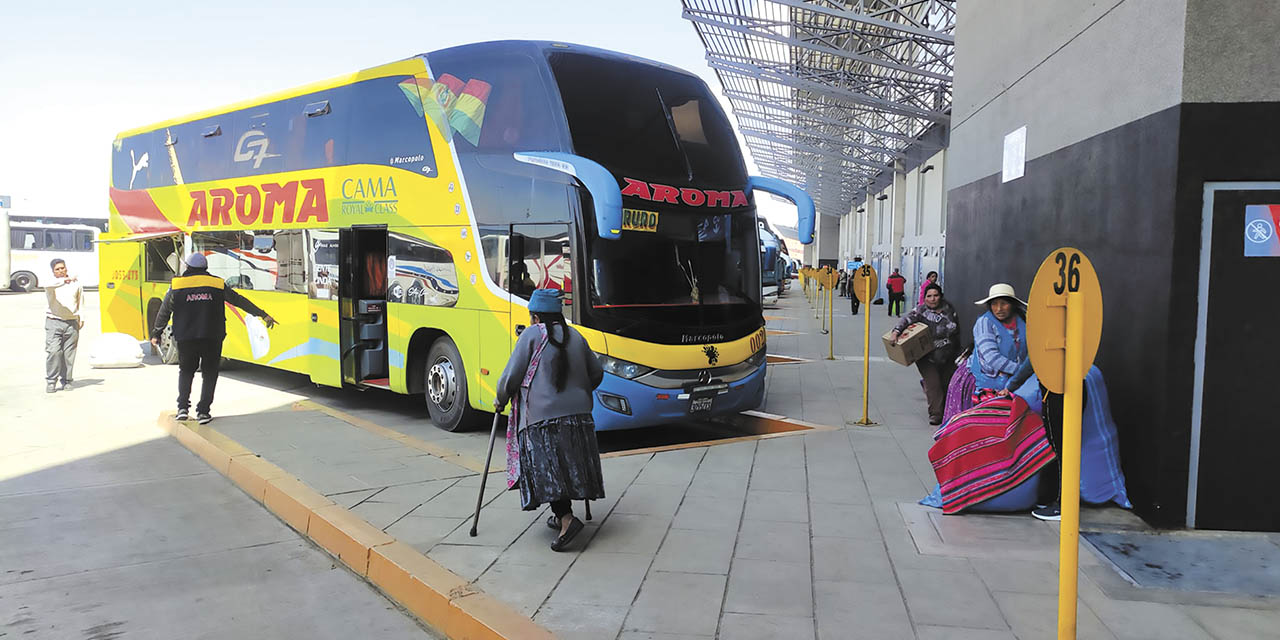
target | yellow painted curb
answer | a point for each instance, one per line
(429, 591)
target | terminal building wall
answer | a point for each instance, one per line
(1130, 108)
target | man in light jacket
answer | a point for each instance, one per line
(62, 325)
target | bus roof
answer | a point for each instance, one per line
(407, 66)
(545, 46)
(52, 225)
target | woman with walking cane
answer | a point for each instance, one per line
(551, 439)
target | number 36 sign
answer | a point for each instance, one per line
(1064, 271)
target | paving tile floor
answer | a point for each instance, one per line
(811, 535)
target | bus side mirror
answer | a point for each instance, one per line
(603, 187)
(804, 204)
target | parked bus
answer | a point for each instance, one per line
(33, 245)
(773, 266)
(395, 221)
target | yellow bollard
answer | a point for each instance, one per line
(1072, 407)
(866, 351)
(831, 329)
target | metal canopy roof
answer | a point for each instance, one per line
(830, 94)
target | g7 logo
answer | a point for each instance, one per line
(258, 142)
(1068, 272)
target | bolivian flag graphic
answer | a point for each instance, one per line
(468, 110)
(450, 104)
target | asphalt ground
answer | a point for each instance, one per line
(111, 529)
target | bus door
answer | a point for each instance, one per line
(322, 305)
(539, 257)
(120, 279)
(362, 305)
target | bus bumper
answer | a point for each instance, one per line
(649, 409)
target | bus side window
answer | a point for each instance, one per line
(84, 241)
(517, 116)
(59, 240)
(385, 128)
(419, 272)
(289, 250)
(26, 239)
(322, 264)
(494, 242)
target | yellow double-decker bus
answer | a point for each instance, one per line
(395, 220)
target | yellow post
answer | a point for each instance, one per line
(866, 354)
(831, 328)
(1069, 531)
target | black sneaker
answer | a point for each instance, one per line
(182, 415)
(1051, 513)
(204, 418)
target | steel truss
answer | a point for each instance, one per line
(831, 94)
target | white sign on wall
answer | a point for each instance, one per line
(1015, 154)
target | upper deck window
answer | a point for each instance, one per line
(378, 121)
(494, 104)
(645, 121)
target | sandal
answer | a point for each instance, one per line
(575, 527)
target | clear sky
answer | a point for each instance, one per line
(73, 74)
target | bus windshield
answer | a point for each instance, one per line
(643, 120)
(694, 270)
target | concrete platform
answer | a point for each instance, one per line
(807, 534)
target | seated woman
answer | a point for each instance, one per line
(936, 366)
(999, 363)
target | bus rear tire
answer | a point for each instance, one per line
(22, 281)
(445, 387)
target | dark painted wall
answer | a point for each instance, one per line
(1131, 199)
(1113, 197)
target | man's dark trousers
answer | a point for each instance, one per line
(205, 355)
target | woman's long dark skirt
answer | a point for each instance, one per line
(559, 460)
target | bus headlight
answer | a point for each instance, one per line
(757, 358)
(622, 368)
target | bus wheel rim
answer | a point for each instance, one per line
(442, 384)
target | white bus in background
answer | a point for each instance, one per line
(32, 245)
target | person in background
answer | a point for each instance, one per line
(62, 326)
(896, 285)
(999, 362)
(932, 278)
(196, 300)
(553, 457)
(937, 366)
(853, 297)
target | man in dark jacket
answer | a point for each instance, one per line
(199, 324)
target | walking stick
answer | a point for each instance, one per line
(493, 435)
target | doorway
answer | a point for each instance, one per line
(1233, 416)
(362, 305)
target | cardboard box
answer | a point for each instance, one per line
(913, 344)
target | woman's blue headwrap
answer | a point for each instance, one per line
(546, 301)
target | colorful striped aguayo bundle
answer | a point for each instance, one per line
(987, 450)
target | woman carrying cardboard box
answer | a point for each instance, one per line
(937, 366)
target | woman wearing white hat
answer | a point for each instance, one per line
(999, 343)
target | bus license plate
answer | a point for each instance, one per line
(697, 405)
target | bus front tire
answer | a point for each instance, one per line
(22, 281)
(445, 387)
